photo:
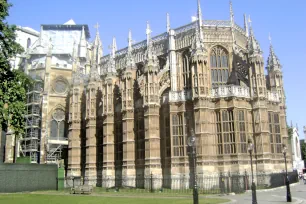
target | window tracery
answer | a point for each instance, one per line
(226, 138)
(60, 85)
(219, 66)
(57, 124)
(275, 137)
(178, 135)
(242, 131)
(186, 71)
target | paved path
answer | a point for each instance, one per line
(298, 193)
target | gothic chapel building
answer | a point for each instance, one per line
(128, 114)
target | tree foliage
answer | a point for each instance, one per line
(13, 83)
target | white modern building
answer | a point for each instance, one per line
(25, 37)
(298, 163)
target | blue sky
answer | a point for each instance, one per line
(285, 20)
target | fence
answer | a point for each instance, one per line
(215, 184)
(27, 177)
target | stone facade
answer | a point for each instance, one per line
(129, 113)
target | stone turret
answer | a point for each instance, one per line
(151, 60)
(199, 57)
(97, 48)
(257, 75)
(83, 45)
(275, 74)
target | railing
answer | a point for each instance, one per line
(58, 138)
(230, 91)
(176, 96)
(215, 184)
(273, 96)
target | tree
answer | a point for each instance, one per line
(13, 83)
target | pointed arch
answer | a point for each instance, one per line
(219, 65)
(57, 123)
(186, 72)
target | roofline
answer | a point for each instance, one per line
(57, 26)
(184, 28)
(27, 31)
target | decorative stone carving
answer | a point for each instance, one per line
(230, 91)
(273, 96)
(179, 96)
(165, 79)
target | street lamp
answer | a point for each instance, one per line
(250, 149)
(191, 143)
(289, 199)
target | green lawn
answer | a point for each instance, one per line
(86, 199)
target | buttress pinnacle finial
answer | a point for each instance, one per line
(114, 47)
(97, 27)
(168, 23)
(232, 13)
(148, 32)
(130, 41)
(200, 13)
(270, 39)
(250, 22)
(246, 26)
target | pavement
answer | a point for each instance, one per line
(277, 195)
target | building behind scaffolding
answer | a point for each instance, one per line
(49, 62)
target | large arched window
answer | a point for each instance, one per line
(186, 71)
(57, 125)
(219, 66)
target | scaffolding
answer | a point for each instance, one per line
(30, 142)
(54, 154)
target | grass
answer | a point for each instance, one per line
(87, 199)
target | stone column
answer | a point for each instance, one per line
(91, 141)
(203, 115)
(152, 134)
(129, 170)
(260, 116)
(74, 135)
(45, 110)
(108, 173)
